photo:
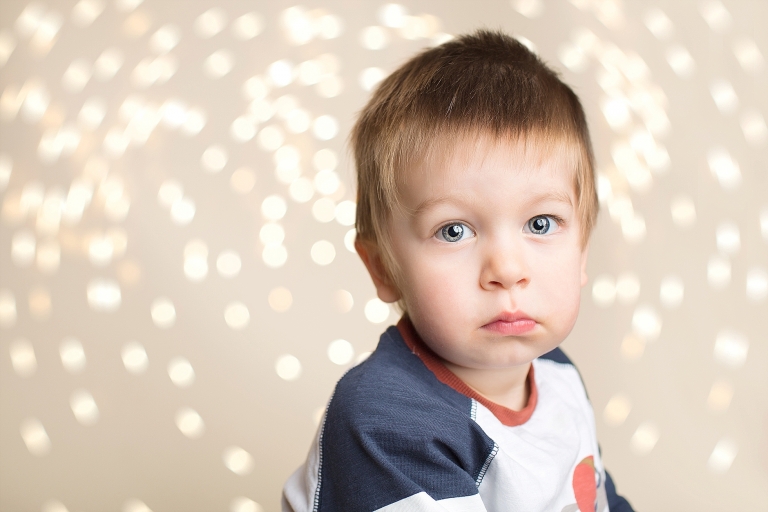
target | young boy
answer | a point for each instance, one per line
(476, 199)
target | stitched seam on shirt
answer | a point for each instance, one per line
(473, 410)
(488, 461)
(316, 503)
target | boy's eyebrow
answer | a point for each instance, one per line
(558, 196)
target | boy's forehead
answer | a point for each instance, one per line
(459, 157)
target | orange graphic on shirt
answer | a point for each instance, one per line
(584, 485)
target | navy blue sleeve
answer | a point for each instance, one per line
(391, 432)
(616, 503)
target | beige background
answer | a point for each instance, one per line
(132, 156)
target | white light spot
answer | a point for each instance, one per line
(181, 372)
(169, 193)
(748, 55)
(722, 456)
(271, 137)
(715, 14)
(195, 266)
(84, 407)
(754, 128)
(288, 367)
(297, 121)
(23, 246)
(280, 299)
(731, 348)
(575, 59)
(325, 127)
(310, 72)
(658, 23)
(228, 264)
(7, 45)
(325, 160)
(274, 207)
(243, 504)
(72, 355)
(724, 167)
(6, 167)
(345, 213)
(327, 182)
(343, 301)
(219, 63)
(301, 190)
(683, 211)
(604, 290)
(371, 77)
(323, 210)
(671, 291)
(236, 315)
(135, 505)
(330, 86)
(757, 284)
(392, 15)
(210, 23)
(274, 256)
(328, 26)
(374, 38)
(242, 129)
(23, 358)
(165, 39)
(681, 61)
(528, 8)
(242, 180)
(720, 396)
(724, 95)
(349, 240)
(645, 438)
(728, 238)
(248, 26)
(76, 76)
(633, 228)
(35, 437)
(7, 308)
(340, 352)
(214, 158)
(617, 410)
(190, 423)
(163, 312)
(616, 112)
(238, 461)
(376, 311)
(104, 295)
(134, 357)
(127, 5)
(194, 122)
(107, 64)
(646, 322)
(92, 113)
(100, 251)
(323, 252)
(280, 72)
(183, 211)
(632, 347)
(272, 233)
(718, 272)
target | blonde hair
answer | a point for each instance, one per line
(481, 83)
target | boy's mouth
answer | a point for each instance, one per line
(511, 324)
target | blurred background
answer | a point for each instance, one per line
(178, 293)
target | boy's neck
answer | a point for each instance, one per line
(504, 386)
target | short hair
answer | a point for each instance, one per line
(481, 83)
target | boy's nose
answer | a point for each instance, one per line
(504, 266)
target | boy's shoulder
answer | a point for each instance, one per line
(394, 381)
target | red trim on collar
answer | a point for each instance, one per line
(506, 416)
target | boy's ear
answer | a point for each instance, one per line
(371, 256)
(584, 253)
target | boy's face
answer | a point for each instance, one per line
(490, 252)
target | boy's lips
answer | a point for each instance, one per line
(511, 324)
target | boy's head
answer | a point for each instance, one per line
(473, 136)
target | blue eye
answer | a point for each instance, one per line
(542, 225)
(454, 232)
